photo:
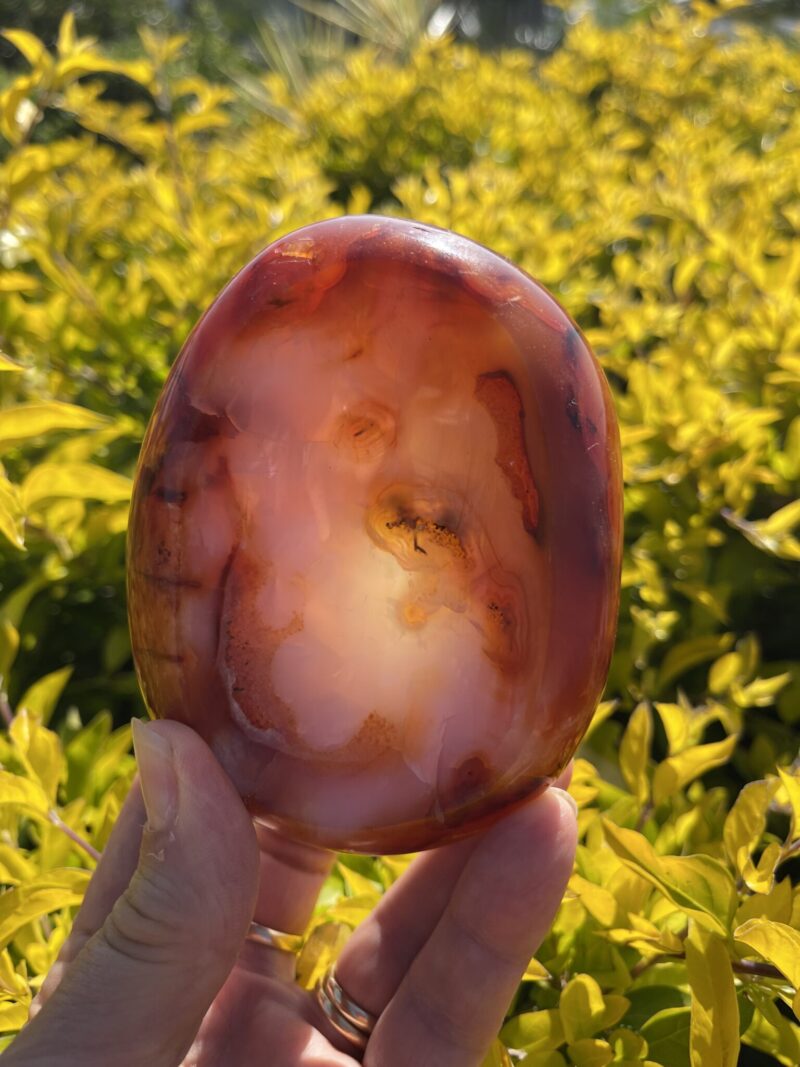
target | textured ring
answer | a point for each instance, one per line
(277, 939)
(345, 1016)
(359, 1017)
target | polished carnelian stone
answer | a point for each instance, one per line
(375, 540)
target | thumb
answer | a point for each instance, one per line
(137, 991)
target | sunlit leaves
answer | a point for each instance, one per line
(585, 1010)
(634, 753)
(535, 1031)
(31, 420)
(30, 46)
(699, 885)
(715, 1011)
(46, 893)
(41, 697)
(75, 481)
(649, 178)
(744, 829)
(677, 771)
(777, 943)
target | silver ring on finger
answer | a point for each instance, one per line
(272, 938)
(343, 1013)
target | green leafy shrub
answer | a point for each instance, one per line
(649, 177)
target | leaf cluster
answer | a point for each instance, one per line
(648, 176)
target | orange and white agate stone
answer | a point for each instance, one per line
(375, 539)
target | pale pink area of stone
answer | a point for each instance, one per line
(374, 546)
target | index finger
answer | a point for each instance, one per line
(451, 1003)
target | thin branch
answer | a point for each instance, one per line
(645, 964)
(644, 815)
(757, 970)
(6, 713)
(789, 851)
(81, 842)
(747, 968)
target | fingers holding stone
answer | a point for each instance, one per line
(377, 956)
(452, 1000)
(380, 952)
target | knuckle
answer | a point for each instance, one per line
(147, 923)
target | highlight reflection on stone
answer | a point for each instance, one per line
(375, 540)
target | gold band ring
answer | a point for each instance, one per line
(277, 939)
(345, 1016)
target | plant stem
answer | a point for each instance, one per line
(81, 842)
(6, 713)
(748, 968)
(789, 851)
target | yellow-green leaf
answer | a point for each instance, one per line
(771, 1032)
(715, 1009)
(782, 521)
(351, 910)
(700, 885)
(8, 366)
(319, 951)
(40, 699)
(66, 34)
(545, 1058)
(497, 1056)
(77, 481)
(11, 981)
(634, 753)
(11, 513)
(744, 828)
(779, 944)
(582, 1007)
(357, 884)
(667, 1036)
(534, 1031)
(9, 645)
(16, 281)
(535, 972)
(605, 709)
(51, 891)
(598, 901)
(30, 420)
(677, 726)
(590, 1052)
(777, 904)
(791, 783)
(678, 771)
(30, 46)
(17, 790)
(41, 750)
(687, 654)
(761, 692)
(627, 1045)
(13, 1014)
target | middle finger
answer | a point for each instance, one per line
(290, 879)
(376, 958)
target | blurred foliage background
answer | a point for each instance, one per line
(642, 160)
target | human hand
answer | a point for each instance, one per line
(158, 972)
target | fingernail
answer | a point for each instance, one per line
(156, 776)
(567, 798)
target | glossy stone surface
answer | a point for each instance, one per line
(375, 541)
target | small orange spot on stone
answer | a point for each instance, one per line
(365, 434)
(414, 615)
